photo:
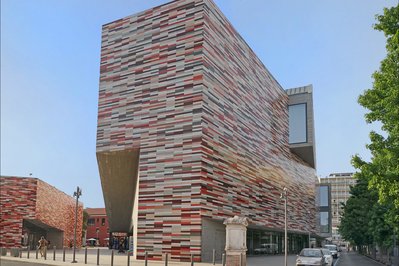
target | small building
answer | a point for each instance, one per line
(31, 208)
(97, 227)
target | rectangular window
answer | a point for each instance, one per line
(297, 123)
(90, 221)
(323, 196)
(103, 221)
(324, 222)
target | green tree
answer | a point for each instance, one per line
(382, 102)
(84, 222)
(363, 220)
(355, 218)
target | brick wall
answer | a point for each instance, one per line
(178, 83)
(33, 199)
(57, 209)
(17, 202)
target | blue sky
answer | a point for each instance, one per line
(50, 53)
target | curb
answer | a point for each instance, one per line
(373, 260)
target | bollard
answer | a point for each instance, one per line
(45, 253)
(166, 259)
(54, 252)
(98, 256)
(37, 253)
(213, 256)
(192, 259)
(223, 259)
(112, 258)
(86, 255)
(128, 258)
(20, 252)
(63, 254)
(27, 254)
(145, 258)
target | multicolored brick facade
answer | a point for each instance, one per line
(39, 203)
(179, 85)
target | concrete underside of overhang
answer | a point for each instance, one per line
(119, 177)
(306, 152)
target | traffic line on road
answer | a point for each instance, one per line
(336, 262)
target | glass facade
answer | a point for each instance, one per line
(323, 196)
(297, 123)
(324, 222)
(268, 242)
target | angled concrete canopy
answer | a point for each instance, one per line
(119, 176)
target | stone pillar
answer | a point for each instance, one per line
(236, 241)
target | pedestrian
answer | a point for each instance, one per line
(121, 244)
(42, 246)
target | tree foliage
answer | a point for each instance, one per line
(363, 220)
(84, 222)
(382, 102)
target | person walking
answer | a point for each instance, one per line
(42, 246)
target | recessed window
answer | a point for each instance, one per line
(297, 123)
(90, 221)
(323, 195)
(103, 221)
(324, 222)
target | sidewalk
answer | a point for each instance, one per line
(121, 259)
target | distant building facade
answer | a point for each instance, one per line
(31, 208)
(193, 129)
(339, 185)
(97, 227)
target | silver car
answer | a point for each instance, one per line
(327, 256)
(310, 256)
(333, 249)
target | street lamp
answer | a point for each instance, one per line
(76, 194)
(284, 196)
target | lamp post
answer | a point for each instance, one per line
(309, 226)
(76, 194)
(284, 196)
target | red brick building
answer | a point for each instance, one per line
(31, 208)
(97, 226)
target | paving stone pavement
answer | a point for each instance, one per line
(121, 260)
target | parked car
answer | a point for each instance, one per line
(333, 249)
(310, 256)
(327, 256)
(266, 249)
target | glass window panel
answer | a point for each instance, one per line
(297, 123)
(323, 192)
(324, 222)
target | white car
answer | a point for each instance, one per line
(327, 256)
(266, 249)
(310, 257)
(333, 249)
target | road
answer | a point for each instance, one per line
(354, 259)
